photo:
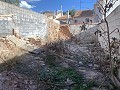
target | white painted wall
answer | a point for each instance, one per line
(76, 29)
(114, 22)
(59, 15)
(117, 3)
(82, 19)
(103, 2)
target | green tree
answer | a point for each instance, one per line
(72, 12)
(15, 2)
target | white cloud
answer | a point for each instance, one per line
(24, 4)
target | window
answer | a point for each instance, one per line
(76, 21)
(87, 19)
(90, 21)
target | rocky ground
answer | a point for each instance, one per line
(64, 65)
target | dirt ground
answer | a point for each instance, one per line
(63, 65)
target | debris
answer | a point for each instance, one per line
(63, 64)
(22, 44)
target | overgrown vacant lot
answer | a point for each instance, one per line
(64, 65)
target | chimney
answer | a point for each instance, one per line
(61, 10)
(68, 16)
(54, 15)
(56, 12)
(61, 7)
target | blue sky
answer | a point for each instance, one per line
(53, 5)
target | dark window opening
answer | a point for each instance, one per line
(87, 19)
(76, 21)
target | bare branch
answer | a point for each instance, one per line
(101, 6)
(115, 30)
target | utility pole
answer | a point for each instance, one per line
(80, 4)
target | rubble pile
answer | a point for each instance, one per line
(58, 32)
(8, 50)
(64, 33)
(35, 41)
(66, 64)
(53, 30)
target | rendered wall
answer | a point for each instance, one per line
(75, 29)
(82, 19)
(114, 22)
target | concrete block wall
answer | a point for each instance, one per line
(114, 22)
(5, 28)
(25, 22)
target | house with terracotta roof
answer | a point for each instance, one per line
(86, 16)
(64, 19)
(54, 15)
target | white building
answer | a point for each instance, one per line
(86, 16)
(54, 15)
(113, 18)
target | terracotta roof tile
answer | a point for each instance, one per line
(84, 13)
(77, 13)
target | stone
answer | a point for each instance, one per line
(96, 66)
(36, 58)
(80, 62)
(95, 88)
(90, 65)
(119, 73)
(42, 63)
(64, 64)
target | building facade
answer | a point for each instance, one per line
(80, 17)
(113, 22)
(83, 16)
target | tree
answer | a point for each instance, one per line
(15, 2)
(111, 42)
(72, 12)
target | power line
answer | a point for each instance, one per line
(80, 4)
